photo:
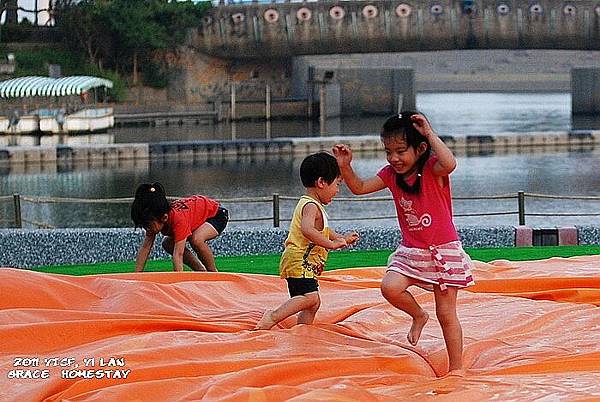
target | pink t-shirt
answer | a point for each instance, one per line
(187, 214)
(425, 218)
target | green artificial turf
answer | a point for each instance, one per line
(269, 264)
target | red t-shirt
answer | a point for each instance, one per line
(187, 215)
(425, 218)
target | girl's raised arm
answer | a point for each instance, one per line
(343, 155)
(446, 162)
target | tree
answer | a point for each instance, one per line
(133, 23)
(84, 25)
(123, 34)
(10, 6)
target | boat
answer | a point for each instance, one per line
(91, 120)
(4, 124)
(80, 118)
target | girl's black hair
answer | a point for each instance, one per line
(150, 204)
(401, 125)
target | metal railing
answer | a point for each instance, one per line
(275, 201)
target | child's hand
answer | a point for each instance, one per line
(338, 243)
(343, 154)
(351, 238)
(422, 125)
(318, 269)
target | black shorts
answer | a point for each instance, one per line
(219, 221)
(302, 286)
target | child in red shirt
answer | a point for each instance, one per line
(196, 219)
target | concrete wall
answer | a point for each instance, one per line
(27, 156)
(376, 90)
(362, 90)
(146, 95)
(199, 78)
(585, 91)
(279, 30)
(495, 70)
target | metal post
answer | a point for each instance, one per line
(17, 203)
(275, 210)
(310, 94)
(268, 112)
(232, 111)
(219, 109)
(35, 10)
(268, 102)
(268, 129)
(322, 109)
(521, 198)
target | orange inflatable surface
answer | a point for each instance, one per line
(531, 332)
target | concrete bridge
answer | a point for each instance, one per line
(275, 43)
(280, 30)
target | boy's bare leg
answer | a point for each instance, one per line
(307, 316)
(292, 306)
(266, 321)
(393, 288)
(445, 309)
(198, 241)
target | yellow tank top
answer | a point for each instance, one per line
(301, 258)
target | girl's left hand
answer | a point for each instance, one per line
(343, 155)
(422, 125)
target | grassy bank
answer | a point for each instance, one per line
(268, 264)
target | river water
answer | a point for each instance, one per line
(564, 172)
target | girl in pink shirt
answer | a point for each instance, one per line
(196, 219)
(430, 254)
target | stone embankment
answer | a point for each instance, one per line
(216, 149)
(21, 248)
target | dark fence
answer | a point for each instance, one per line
(19, 217)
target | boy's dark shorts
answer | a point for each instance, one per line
(219, 221)
(302, 286)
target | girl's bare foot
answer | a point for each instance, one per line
(417, 326)
(266, 322)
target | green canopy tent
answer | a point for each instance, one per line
(34, 86)
(36, 91)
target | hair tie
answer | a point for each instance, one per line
(152, 189)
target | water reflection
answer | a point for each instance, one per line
(562, 172)
(486, 171)
(450, 113)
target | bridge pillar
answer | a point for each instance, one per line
(333, 105)
(362, 90)
(403, 91)
(323, 93)
(376, 90)
(585, 91)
